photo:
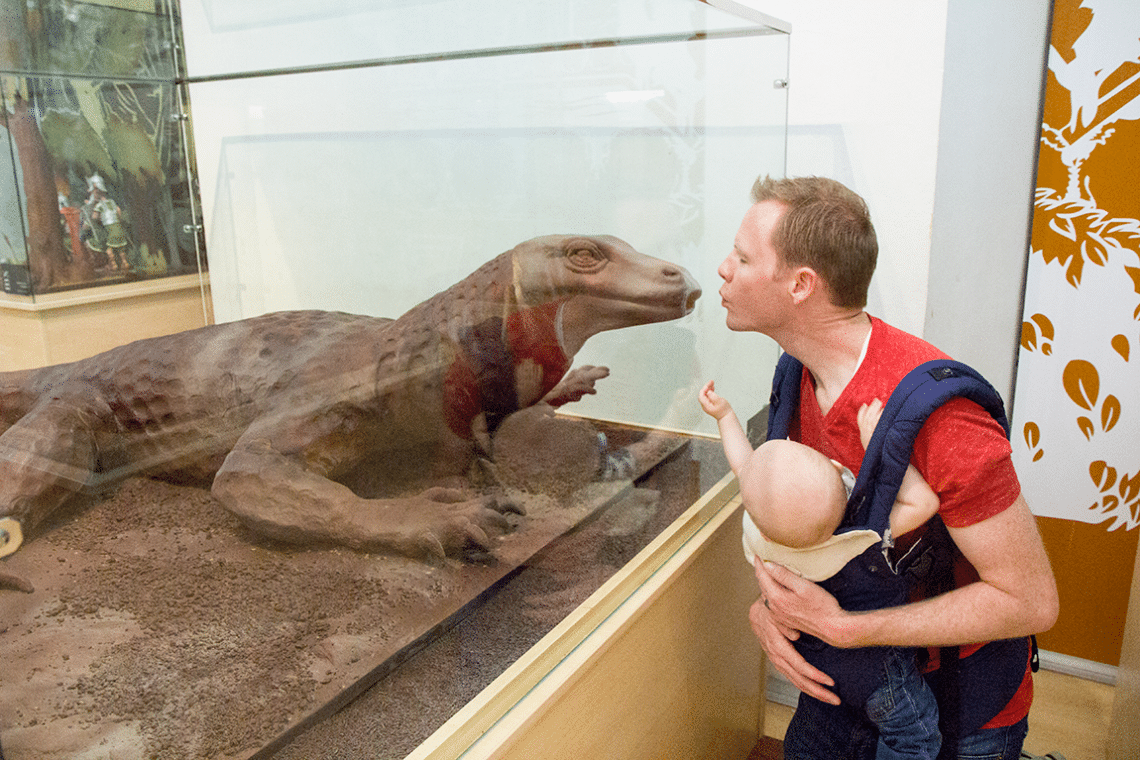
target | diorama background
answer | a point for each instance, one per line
(93, 169)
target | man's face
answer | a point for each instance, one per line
(756, 289)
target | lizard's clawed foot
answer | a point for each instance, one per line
(468, 527)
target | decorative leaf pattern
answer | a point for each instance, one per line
(1076, 337)
(1032, 434)
(1121, 346)
(1082, 383)
(1036, 333)
(1103, 476)
(1046, 326)
(1109, 413)
(1130, 487)
(1072, 231)
(1123, 506)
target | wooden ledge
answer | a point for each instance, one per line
(102, 293)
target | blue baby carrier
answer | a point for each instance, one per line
(876, 579)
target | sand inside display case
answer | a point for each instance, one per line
(160, 626)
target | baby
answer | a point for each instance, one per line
(794, 500)
(796, 496)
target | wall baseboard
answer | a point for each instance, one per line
(780, 689)
(1081, 668)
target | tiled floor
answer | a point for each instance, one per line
(1070, 716)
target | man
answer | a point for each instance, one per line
(799, 271)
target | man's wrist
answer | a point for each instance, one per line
(849, 630)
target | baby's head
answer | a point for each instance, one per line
(793, 493)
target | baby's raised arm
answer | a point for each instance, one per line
(916, 501)
(737, 448)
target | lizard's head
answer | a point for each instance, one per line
(621, 286)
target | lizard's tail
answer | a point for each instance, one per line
(14, 398)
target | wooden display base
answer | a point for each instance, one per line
(768, 748)
(62, 327)
(160, 627)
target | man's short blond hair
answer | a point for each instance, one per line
(826, 227)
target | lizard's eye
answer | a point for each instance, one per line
(585, 256)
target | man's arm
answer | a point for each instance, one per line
(1015, 596)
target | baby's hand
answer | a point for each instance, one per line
(714, 406)
(868, 418)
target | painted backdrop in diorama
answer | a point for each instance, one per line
(95, 182)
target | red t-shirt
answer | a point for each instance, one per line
(961, 451)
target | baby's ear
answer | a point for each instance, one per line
(837, 465)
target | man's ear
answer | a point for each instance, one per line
(805, 281)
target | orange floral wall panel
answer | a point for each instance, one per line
(1076, 415)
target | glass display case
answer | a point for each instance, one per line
(360, 158)
(351, 159)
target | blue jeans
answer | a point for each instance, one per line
(819, 731)
(994, 743)
(904, 710)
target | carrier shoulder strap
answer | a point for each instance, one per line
(784, 401)
(923, 390)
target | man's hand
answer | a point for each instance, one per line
(1016, 596)
(771, 626)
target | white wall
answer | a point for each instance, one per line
(865, 89)
(991, 121)
(930, 111)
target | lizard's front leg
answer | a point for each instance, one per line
(277, 496)
(577, 383)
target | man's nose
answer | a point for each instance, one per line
(723, 270)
